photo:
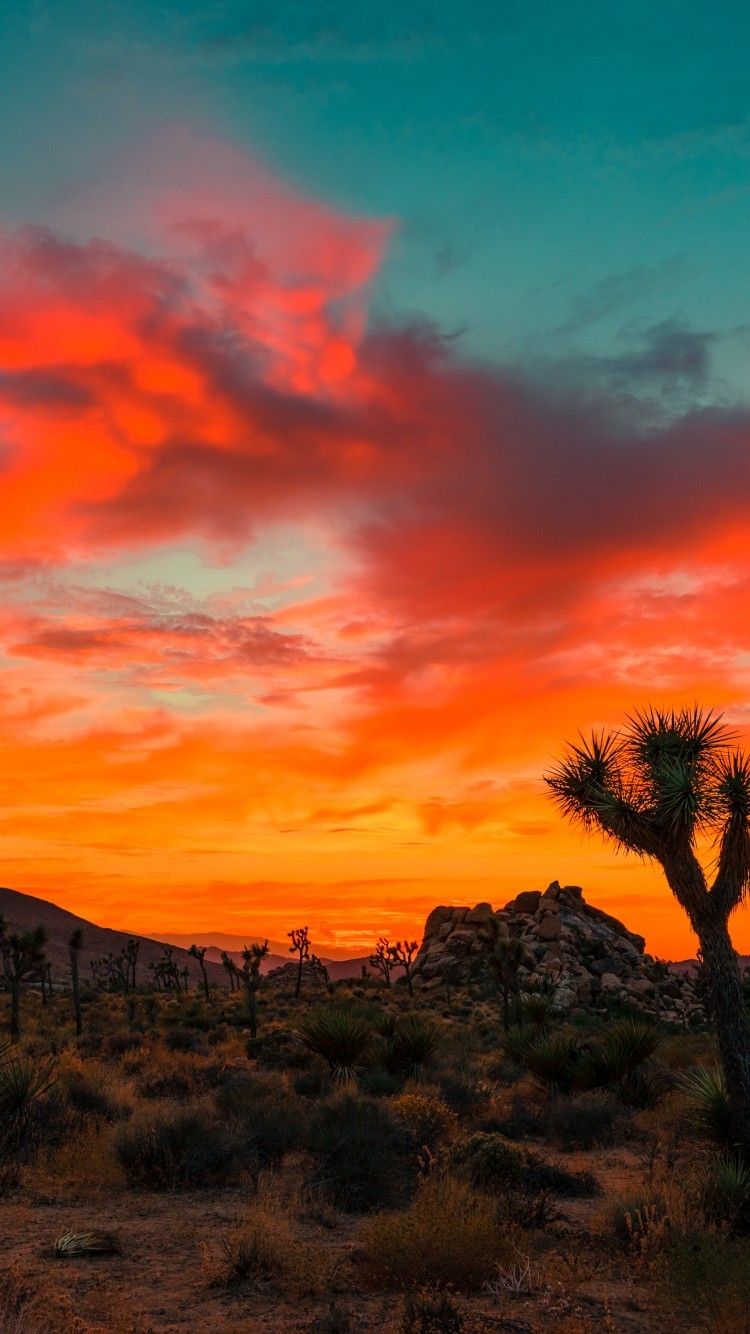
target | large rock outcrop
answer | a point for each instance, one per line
(585, 953)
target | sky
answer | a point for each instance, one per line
(373, 417)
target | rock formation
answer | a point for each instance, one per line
(587, 955)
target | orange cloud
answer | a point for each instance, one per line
(285, 593)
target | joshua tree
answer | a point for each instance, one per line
(130, 956)
(507, 957)
(381, 960)
(199, 952)
(228, 963)
(22, 954)
(300, 946)
(403, 953)
(666, 781)
(253, 956)
(74, 947)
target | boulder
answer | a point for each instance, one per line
(526, 902)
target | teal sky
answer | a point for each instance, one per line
(563, 177)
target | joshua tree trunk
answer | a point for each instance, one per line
(252, 1006)
(298, 986)
(15, 1008)
(76, 991)
(732, 1027)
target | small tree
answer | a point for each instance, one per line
(253, 956)
(22, 954)
(130, 954)
(74, 949)
(381, 960)
(199, 952)
(300, 938)
(656, 788)
(402, 954)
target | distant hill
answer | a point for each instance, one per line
(25, 912)
(220, 940)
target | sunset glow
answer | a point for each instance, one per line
(300, 599)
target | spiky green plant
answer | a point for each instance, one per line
(340, 1036)
(667, 782)
(23, 1079)
(552, 1059)
(537, 1008)
(622, 1049)
(517, 1040)
(73, 1245)
(709, 1110)
(726, 1196)
(411, 1047)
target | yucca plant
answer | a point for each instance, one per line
(664, 784)
(709, 1110)
(537, 1008)
(73, 1245)
(22, 1080)
(552, 1058)
(340, 1036)
(618, 1055)
(411, 1046)
(726, 1196)
(517, 1040)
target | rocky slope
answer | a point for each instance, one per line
(585, 953)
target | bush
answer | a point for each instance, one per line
(430, 1311)
(166, 1149)
(185, 1039)
(428, 1121)
(726, 1196)
(259, 1247)
(358, 1144)
(92, 1094)
(540, 1175)
(586, 1121)
(269, 1118)
(702, 1272)
(488, 1163)
(448, 1236)
(410, 1047)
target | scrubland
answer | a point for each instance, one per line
(370, 1161)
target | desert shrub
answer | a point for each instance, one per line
(340, 1035)
(178, 1076)
(521, 1119)
(726, 1195)
(448, 1236)
(428, 1121)
(165, 1148)
(586, 1120)
(270, 1120)
(317, 1083)
(25, 1085)
(461, 1090)
(185, 1039)
(700, 1272)
(709, 1111)
(359, 1145)
(430, 1311)
(93, 1093)
(552, 1058)
(258, 1248)
(488, 1162)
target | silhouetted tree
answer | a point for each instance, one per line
(22, 954)
(199, 952)
(300, 946)
(508, 955)
(231, 969)
(403, 953)
(74, 949)
(253, 956)
(654, 788)
(380, 960)
(130, 954)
